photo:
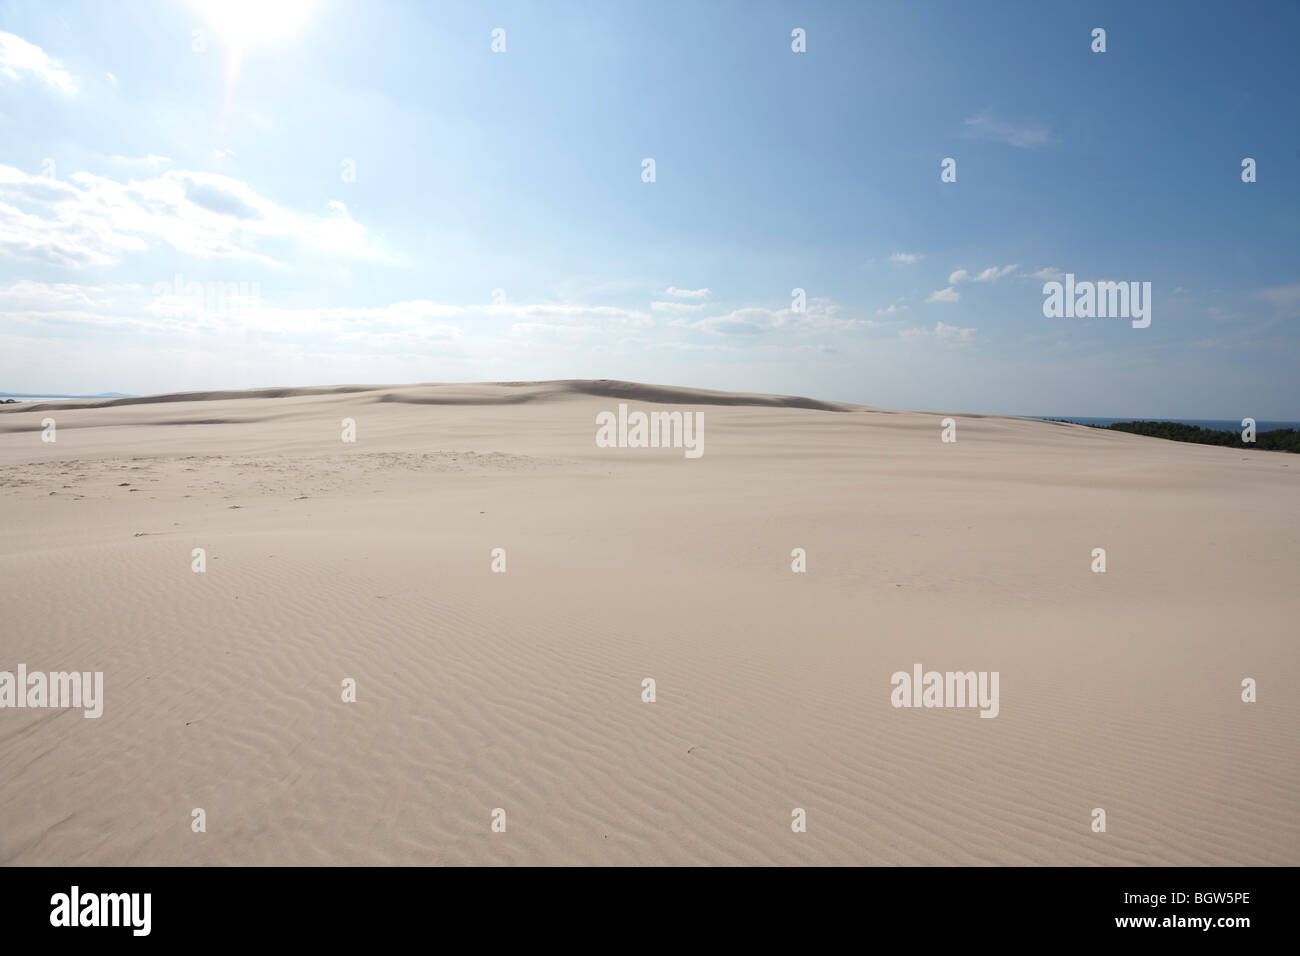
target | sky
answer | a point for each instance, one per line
(202, 194)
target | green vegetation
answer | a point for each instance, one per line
(1280, 439)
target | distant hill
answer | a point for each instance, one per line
(100, 395)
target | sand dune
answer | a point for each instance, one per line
(523, 690)
(496, 393)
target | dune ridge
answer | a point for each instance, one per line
(486, 393)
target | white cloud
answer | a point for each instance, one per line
(892, 309)
(161, 314)
(20, 60)
(678, 308)
(212, 307)
(575, 315)
(822, 315)
(61, 294)
(150, 160)
(175, 309)
(686, 293)
(1045, 274)
(92, 220)
(991, 274)
(544, 331)
(986, 126)
(740, 322)
(944, 295)
(942, 332)
(688, 346)
(907, 257)
(945, 332)
(1283, 297)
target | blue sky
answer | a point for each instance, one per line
(498, 226)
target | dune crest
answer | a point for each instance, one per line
(486, 393)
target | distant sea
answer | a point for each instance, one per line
(1213, 424)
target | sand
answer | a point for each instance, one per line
(478, 690)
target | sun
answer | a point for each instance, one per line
(243, 24)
